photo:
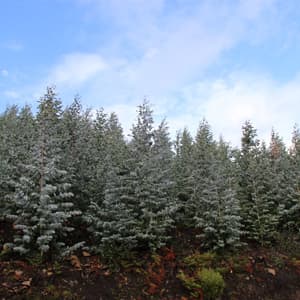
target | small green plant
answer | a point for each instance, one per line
(57, 268)
(237, 263)
(199, 260)
(156, 258)
(206, 282)
(6, 251)
(278, 262)
(191, 283)
(289, 244)
(66, 294)
(52, 292)
(212, 283)
(35, 259)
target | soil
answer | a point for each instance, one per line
(253, 273)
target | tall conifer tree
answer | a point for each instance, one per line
(41, 193)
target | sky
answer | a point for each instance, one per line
(224, 60)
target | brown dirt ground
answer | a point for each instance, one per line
(253, 273)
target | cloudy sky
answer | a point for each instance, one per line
(225, 60)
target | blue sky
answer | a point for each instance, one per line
(226, 60)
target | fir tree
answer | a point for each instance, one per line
(217, 210)
(41, 193)
(114, 223)
(116, 146)
(246, 156)
(204, 150)
(99, 159)
(110, 214)
(290, 206)
(8, 157)
(282, 187)
(77, 152)
(183, 166)
(57, 163)
(262, 210)
(158, 208)
(136, 209)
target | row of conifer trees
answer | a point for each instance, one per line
(66, 170)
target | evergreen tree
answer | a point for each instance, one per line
(41, 193)
(18, 135)
(156, 202)
(260, 189)
(59, 164)
(203, 155)
(246, 156)
(99, 160)
(151, 154)
(262, 210)
(117, 151)
(114, 223)
(110, 213)
(8, 157)
(183, 166)
(290, 206)
(77, 152)
(283, 189)
(216, 208)
(136, 209)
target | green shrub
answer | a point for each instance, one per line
(199, 260)
(211, 282)
(191, 283)
(206, 282)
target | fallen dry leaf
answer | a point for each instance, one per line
(75, 262)
(27, 283)
(86, 254)
(124, 279)
(153, 289)
(271, 271)
(106, 273)
(5, 247)
(5, 284)
(296, 263)
(18, 274)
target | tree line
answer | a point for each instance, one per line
(65, 171)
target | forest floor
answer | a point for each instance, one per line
(254, 272)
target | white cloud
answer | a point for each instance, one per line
(126, 114)
(76, 68)
(169, 48)
(159, 51)
(228, 102)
